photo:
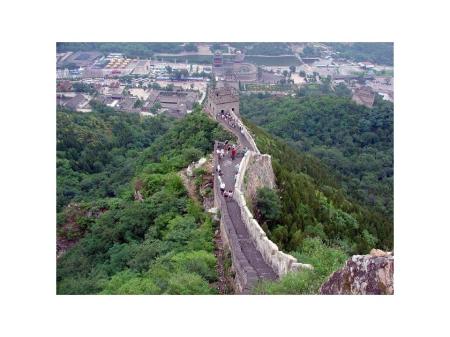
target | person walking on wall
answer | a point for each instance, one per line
(233, 153)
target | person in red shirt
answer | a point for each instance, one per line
(233, 153)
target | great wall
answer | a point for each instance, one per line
(254, 256)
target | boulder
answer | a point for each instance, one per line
(379, 253)
(200, 162)
(371, 274)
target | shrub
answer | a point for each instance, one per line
(129, 283)
(268, 205)
(188, 284)
(199, 262)
(325, 261)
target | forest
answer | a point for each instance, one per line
(334, 170)
(263, 48)
(332, 161)
(376, 52)
(162, 244)
(129, 49)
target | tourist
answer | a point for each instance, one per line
(230, 194)
(222, 153)
(233, 153)
(218, 169)
(222, 187)
(225, 194)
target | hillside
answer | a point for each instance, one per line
(315, 201)
(161, 244)
(133, 229)
(354, 142)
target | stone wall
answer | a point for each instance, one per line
(246, 134)
(245, 274)
(226, 103)
(280, 262)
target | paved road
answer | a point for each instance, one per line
(253, 256)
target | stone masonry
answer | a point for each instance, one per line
(254, 256)
(222, 99)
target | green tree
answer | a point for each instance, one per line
(188, 284)
(268, 206)
(190, 47)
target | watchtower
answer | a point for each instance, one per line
(223, 99)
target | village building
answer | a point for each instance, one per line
(78, 102)
(63, 86)
(79, 59)
(142, 67)
(176, 103)
(127, 104)
(234, 70)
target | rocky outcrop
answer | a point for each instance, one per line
(258, 173)
(371, 274)
(137, 190)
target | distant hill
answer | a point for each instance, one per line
(130, 49)
(376, 52)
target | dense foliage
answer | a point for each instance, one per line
(311, 51)
(273, 60)
(354, 140)
(97, 152)
(263, 48)
(218, 46)
(316, 202)
(162, 244)
(376, 52)
(268, 206)
(83, 87)
(129, 49)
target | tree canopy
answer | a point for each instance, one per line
(162, 244)
(335, 175)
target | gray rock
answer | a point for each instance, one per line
(363, 275)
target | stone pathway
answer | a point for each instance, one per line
(248, 248)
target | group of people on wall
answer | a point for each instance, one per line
(223, 151)
(227, 117)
